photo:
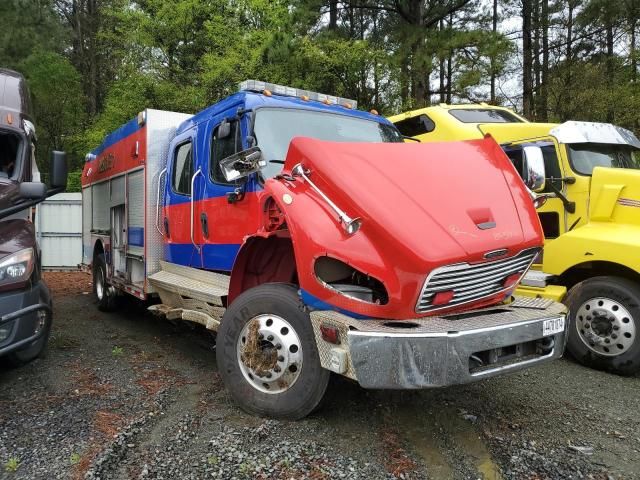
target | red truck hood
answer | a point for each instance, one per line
(440, 203)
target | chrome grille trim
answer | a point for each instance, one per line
(472, 282)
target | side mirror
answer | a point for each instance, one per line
(58, 170)
(224, 130)
(32, 190)
(533, 171)
(242, 164)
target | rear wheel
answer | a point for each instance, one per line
(267, 355)
(104, 293)
(605, 324)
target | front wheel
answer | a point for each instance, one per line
(605, 324)
(267, 355)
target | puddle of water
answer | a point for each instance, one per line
(425, 446)
(421, 430)
(467, 438)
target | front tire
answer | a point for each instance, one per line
(104, 293)
(605, 324)
(267, 354)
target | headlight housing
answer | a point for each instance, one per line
(16, 269)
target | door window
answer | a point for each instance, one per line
(183, 169)
(222, 148)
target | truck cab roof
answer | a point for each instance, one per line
(446, 122)
(248, 100)
(15, 102)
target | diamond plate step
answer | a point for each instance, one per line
(536, 278)
(191, 283)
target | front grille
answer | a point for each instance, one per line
(472, 282)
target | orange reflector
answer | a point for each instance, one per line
(326, 101)
(374, 111)
(267, 93)
(442, 298)
(330, 333)
(9, 118)
(305, 98)
(347, 105)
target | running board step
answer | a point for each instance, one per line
(209, 318)
(172, 280)
(536, 278)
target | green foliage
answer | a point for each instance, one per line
(59, 104)
(12, 464)
(117, 351)
(75, 458)
(92, 66)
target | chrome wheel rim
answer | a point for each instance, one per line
(269, 353)
(100, 284)
(605, 326)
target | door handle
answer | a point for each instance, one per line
(204, 224)
(158, 201)
(193, 181)
(166, 227)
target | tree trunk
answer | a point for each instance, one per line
(443, 72)
(535, 21)
(543, 111)
(566, 109)
(333, 14)
(493, 67)
(610, 66)
(527, 59)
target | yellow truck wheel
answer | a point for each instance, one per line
(605, 324)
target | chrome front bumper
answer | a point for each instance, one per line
(440, 351)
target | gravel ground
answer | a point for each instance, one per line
(128, 395)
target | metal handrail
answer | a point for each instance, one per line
(158, 201)
(193, 179)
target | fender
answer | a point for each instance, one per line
(315, 232)
(595, 241)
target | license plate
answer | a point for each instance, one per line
(550, 327)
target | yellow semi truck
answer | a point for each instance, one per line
(587, 182)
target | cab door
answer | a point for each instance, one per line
(181, 244)
(230, 210)
(552, 214)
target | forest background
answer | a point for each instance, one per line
(94, 64)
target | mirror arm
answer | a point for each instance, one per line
(413, 139)
(569, 206)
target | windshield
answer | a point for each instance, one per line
(9, 151)
(586, 156)
(275, 127)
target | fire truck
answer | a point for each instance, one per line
(313, 239)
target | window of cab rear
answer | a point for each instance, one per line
(414, 126)
(483, 115)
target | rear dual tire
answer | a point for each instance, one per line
(267, 355)
(105, 294)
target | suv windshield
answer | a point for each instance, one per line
(9, 150)
(275, 127)
(586, 156)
